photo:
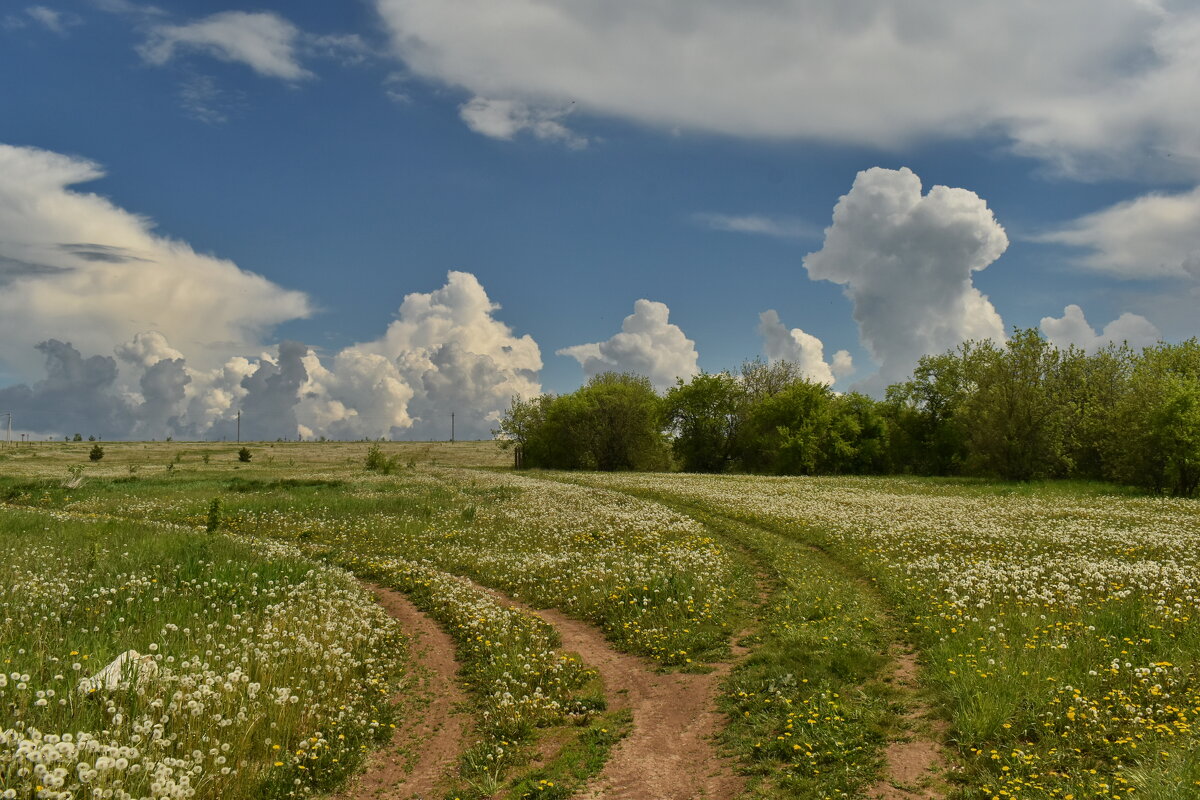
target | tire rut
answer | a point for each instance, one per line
(670, 753)
(425, 747)
(915, 760)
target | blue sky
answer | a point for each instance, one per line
(570, 159)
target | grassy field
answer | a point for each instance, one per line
(1055, 624)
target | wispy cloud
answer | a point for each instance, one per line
(263, 41)
(57, 21)
(1152, 236)
(504, 119)
(202, 99)
(760, 224)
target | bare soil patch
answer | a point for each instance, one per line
(670, 755)
(914, 761)
(427, 744)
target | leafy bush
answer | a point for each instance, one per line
(96, 453)
(376, 461)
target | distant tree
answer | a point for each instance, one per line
(96, 453)
(705, 415)
(861, 436)
(1012, 415)
(1156, 447)
(788, 432)
(1175, 434)
(77, 438)
(928, 436)
(244, 455)
(613, 422)
(762, 379)
(91, 438)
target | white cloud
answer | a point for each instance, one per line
(456, 357)
(264, 41)
(1072, 328)
(906, 261)
(79, 272)
(1153, 236)
(760, 224)
(147, 349)
(1084, 84)
(648, 345)
(76, 267)
(504, 119)
(802, 349)
(362, 395)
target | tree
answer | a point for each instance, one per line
(1175, 434)
(788, 433)
(1012, 417)
(623, 422)
(861, 435)
(928, 434)
(77, 437)
(613, 422)
(705, 416)
(1156, 446)
(96, 453)
(244, 455)
(762, 379)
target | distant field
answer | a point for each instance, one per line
(1009, 640)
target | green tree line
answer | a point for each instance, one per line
(1020, 410)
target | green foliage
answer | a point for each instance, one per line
(705, 415)
(612, 423)
(96, 453)
(214, 515)
(1022, 410)
(788, 432)
(1012, 415)
(1159, 445)
(244, 455)
(376, 461)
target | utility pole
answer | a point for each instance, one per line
(239, 426)
(451, 427)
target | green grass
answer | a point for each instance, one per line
(232, 631)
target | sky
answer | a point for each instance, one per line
(352, 219)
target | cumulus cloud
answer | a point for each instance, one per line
(1072, 328)
(648, 344)
(76, 267)
(760, 224)
(1153, 236)
(1078, 82)
(456, 357)
(360, 395)
(167, 328)
(802, 349)
(504, 119)
(78, 395)
(446, 353)
(906, 260)
(263, 41)
(272, 392)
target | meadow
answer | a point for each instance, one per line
(1054, 625)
